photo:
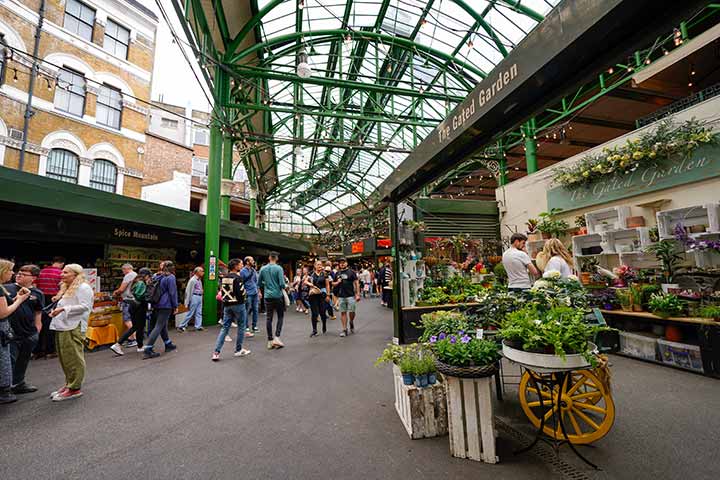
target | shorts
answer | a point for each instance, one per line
(347, 304)
(126, 313)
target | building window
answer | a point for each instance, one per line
(169, 123)
(104, 176)
(70, 92)
(117, 39)
(202, 136)
(199, 167)
(109, 106)
(79, 19)
(62, 165)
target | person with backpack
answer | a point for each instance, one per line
(138, 311)
(164, 301)
(234, 297)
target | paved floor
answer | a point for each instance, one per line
(317, 409)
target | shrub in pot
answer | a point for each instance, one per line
(665, 305)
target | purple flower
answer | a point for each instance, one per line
(442, 336)
(461, 332)
(433, 339)
(465, 339)
(453, 339)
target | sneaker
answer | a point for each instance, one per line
(333, 317)
(115, 347)
(343, 333)
(181, 329)
(58, 391)
(306, 312)
(228, 339)
(24, 388)
(199, 329)
(140, 349)
(247, 329)
(149, 353)
(278, 343)
(242, 353)
(67, 394)
(270, 345)
(313, 334)
(256, 329)
(131, 343)
(169, 347)
(352, 327)
(249, 334)
(234, 325)
(215, 356)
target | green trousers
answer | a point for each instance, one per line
(72, 359)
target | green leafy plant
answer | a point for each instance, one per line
(710, 311)
(415, 226)
(532, 224)
(589, 264)
(651, 148)
(580, 221)
(440, 321)
(666, 252)
(624, 296)
(500, 273)
(550, 224)
(665, 305)
(461, 349)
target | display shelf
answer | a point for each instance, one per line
(705, 217)
(614, 218)
(655, 318)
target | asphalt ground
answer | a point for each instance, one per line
(320, 409)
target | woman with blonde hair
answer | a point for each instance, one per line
(8, 305)
(69, 320)
(558, 257)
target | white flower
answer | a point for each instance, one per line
(541, 284)
(537, 322)
(574, 278)
(552, 274)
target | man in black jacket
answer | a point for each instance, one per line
(26, 323)
(232, 288)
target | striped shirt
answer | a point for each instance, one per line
(49, 280)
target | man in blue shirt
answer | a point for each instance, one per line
(249, 277)
(271, 282)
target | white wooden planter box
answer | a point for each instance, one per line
(423, 411)
(470, 418)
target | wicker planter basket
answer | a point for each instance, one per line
(466, 372)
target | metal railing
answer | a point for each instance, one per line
(680, 105)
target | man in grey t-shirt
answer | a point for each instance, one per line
(124, 291)
(517, 264)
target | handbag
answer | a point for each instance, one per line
(315, 291)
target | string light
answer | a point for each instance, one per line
(665, 51)
(677, 37)
(611, 70)
(470, 44)
(647, 61)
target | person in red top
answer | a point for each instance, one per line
(48, 282)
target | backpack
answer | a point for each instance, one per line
(153, 291)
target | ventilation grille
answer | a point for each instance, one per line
(448, 224)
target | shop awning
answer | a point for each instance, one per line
(575, 42)
(41, 192)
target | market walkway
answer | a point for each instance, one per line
(317, 409)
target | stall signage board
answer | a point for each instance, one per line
(357, 247)
(702, 165)
(383, 243)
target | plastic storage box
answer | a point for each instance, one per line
(640, 345)
(681, 355)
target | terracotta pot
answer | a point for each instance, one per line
(626, 308)
(534, 236)
(673, 333)
(633, 222)
(585, 278)
(636, 308)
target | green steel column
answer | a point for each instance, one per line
(502, 180)
(253, 211)
(397, 311)
(225, 199)
(212, 218)
(530, 147)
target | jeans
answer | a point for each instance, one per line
(139, 317)
(318, 306)
(161, 327)
(273, 305)
(46, 343)
(328, 307)
(20, 352)
(251, 307)
(72, 360)
(5, 357)
(237, 314)
(195, 310)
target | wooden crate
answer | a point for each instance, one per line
(470, 418)
(423, 411)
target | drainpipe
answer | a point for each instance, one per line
(31, 88)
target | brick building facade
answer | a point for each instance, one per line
(95, 66)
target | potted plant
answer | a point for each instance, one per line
(588, 266)
(549, 225)
(462, 354)
(665, 305)
(581, 225)
(532, 231)
(666, 252)
(636, 294)
(710, 311)
(625, 298)
(407, 369)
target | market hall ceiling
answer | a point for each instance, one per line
(329, 97)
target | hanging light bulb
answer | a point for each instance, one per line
(303, 69)
(423, 22)
(611, 70)
(348, 39)
(692, 70)
(677, 37)
(389, 68)
(647, 61)
(690, 84)
(629, 69)
(470, 43)
(665, 51)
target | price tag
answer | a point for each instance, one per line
(479, 333)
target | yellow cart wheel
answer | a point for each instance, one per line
(588, 410)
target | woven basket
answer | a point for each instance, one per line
(466, 372)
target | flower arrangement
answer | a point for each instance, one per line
(626, 275)
(692, 244)
(651, 148)
(434, 323)
(462, 350)
(665, 305)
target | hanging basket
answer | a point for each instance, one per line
(466, 372)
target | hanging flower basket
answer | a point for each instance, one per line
(466, 372)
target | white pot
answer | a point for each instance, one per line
(545, 361)
(666, 286)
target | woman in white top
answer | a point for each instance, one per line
(8, 305)
(69, 320)
(559, 258)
